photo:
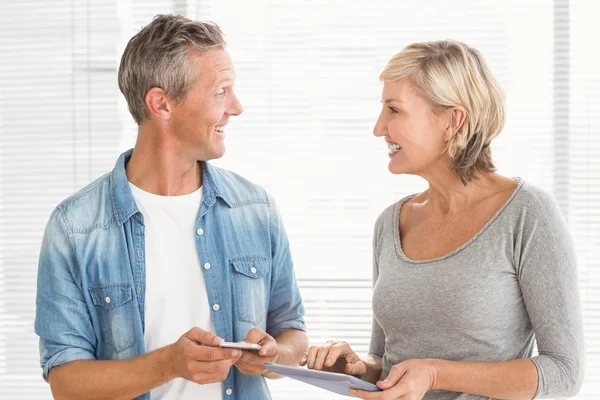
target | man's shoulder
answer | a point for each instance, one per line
(238, 190)
(90, 206)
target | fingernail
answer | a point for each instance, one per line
(217, 340)
(310, 365)
(318, 365)
(329, 361)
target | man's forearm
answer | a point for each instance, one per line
(515, 379)
(122, 379)
(292, 346)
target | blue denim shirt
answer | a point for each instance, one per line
(93, 249)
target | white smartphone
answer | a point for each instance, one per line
(241, 346)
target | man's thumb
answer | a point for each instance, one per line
(201, 336)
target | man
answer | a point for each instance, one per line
(146, 270)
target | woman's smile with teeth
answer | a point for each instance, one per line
(393, 147)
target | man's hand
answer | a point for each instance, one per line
(252, 362)
(196, 357)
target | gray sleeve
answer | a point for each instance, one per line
(377, 345)
(547, 273)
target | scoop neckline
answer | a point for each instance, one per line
(398, 242)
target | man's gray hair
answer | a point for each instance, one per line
(157, 56)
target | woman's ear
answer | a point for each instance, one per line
(456, 120)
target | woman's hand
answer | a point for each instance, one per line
(409, 380)
(334, 357)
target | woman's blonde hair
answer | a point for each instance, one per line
(452, 74)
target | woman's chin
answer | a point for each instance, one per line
(397, 169)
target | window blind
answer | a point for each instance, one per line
(57, 132)
(583, 166)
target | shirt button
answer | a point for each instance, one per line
(207, 266)
(107, 299)
(140, 289)
(216, 307)
(228, 392)
(200, 231)
(253, 270)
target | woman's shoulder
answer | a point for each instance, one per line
(388, 216)
(533, 204)
(535, 199)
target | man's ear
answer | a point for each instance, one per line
(456, 120)
(158, 104)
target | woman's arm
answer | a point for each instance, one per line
(547, 275)
(412, 379)
(515, 379)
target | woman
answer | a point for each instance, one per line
(470, 272)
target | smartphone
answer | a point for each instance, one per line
(241, 346)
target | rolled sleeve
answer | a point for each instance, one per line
(295, 324)
(286, 310)
(62, 321)
(64, 356)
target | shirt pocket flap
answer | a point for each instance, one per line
(252, 267)
(111, 295)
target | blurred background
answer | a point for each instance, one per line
(307, 77)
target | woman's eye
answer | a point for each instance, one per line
(393, 110)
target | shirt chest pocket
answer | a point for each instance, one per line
(249, 278)
(114, 305)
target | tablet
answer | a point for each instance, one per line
(337, 383)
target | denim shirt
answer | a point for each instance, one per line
(91, 277)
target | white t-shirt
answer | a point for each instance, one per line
(176, 298)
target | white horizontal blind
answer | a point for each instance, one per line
(584, 171)
(58, 131)
(307, 76)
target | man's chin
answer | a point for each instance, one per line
(209, 154)
(215, 154)
(220, 152)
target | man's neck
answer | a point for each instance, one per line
(159, 167)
